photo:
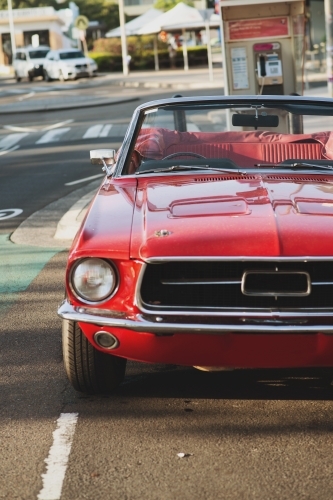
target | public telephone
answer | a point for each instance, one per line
(268, 64)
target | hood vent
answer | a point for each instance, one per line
(269, 177)
(295, 178)
(226, 178)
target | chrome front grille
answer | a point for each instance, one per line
(217, 286)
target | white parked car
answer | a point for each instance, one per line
(29, 61)
(66, 64)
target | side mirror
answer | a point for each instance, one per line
(102, 156)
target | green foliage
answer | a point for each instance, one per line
(106, 61)
(104, 11)
(170, 4)
(136, 45)
(27, 4)
(143, 59)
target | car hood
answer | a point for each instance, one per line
(221, 215)
(78, 60)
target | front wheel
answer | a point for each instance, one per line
(89, 370)
(46, 76)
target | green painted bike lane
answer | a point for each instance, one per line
(19, 265)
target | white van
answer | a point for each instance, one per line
(28, 62)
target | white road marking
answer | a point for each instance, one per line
(84, 180)
(16, 91)
(26, 96)
(57, 125)
(58, 457)
(93, 132)
(19, 129)
(52, 135)
(97, 131)
(11, 139)
(69, 223)
(41, 89)
(105, 131)
(4, 152)
(8, 213)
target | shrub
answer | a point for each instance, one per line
(107, 54)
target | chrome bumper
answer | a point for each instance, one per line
(163, 325)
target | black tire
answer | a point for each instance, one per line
(89, 370)
(17, 78)
(46, 76)
(31, 78)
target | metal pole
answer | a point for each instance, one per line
(157, 66)
(123, 37)
(224, 57)
(209, 51)
(185, 55)
(329, 44)
(11, 27)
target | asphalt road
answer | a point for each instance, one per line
(244, 434)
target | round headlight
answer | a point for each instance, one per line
(94, 280)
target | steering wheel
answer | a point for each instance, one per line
(183, 153)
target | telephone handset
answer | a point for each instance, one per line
(268, 63)
(262, 66)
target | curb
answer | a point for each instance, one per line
(91, 104)
(161, 85)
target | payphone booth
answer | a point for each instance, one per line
(263, 46)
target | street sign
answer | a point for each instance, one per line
(81, 23)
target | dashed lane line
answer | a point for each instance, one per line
(57, 460)
(91, 178)
(58, 125)
(14, 128)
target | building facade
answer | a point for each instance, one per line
(42, 21)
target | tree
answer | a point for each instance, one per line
(104, 11)
(169, 4)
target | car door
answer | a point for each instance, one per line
(49, 65)
(18, 64)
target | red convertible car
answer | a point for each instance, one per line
(209, 242)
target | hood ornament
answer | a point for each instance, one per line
(162, 233)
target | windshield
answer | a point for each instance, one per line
(38, 54)
(71, 55)
(239, 136)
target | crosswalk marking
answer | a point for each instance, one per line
(97, 131)
(52, 135)
(93, 132)
(58, 132)
(11, 139)
(105, 131)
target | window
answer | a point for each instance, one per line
(71, 55)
